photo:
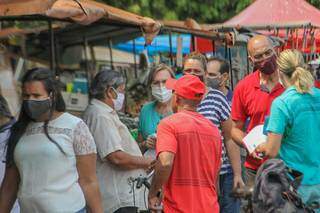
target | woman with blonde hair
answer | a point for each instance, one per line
(294, 124)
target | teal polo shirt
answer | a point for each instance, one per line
(297, 118)
(149, 119)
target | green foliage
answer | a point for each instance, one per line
(315, 3)
(203, 11)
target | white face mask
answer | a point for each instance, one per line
(118, 102)
(161, 94)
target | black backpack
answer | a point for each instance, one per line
(275, 192)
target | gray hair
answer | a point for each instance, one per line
(103, 81)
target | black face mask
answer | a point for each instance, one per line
(268, 66)
(214, 83)
(36, 108)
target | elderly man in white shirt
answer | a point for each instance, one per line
(120, 156)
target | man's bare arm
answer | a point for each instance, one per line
(237, 132)
(162, 172)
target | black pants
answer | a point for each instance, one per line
(129, 209)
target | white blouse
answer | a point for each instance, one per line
(49, 177)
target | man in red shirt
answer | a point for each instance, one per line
(189, 154)
(253, 96)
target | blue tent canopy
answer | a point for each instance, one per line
(160, 44)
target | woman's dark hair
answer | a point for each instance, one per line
(4, 108)
(103, 81)
(50, 83)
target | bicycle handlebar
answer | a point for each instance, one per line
(144, 180)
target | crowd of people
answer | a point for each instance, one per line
(190, 137)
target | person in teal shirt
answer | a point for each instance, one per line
(152, 112)
(149, 119)
(294, 125)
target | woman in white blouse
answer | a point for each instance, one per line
(51, 156)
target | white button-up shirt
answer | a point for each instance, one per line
(112, 135)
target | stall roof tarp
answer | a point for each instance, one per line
(270, 12)
(80, 11)
(204, 33)
(190, 26)
(160, 44)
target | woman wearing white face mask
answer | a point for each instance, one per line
(153, 112)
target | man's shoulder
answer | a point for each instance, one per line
(172, 119)
(215, 92)
(95, 113)
(214, 98)
(247, 80)
(183, 119)
(214, 95)
(180, 118)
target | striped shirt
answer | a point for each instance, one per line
(216, 108)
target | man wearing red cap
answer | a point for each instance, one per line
(188, 151)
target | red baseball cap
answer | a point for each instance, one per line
(188, 87)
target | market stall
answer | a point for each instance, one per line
(296, 21)
(64, 35)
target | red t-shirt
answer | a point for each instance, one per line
(196, 143)
(254, 103)
(317, 83)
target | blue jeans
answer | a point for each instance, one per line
(227, 203)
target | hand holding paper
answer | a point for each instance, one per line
(254, 138)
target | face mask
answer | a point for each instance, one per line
(118, 102)
(214, 83)
(36, 108)
(267, 66)
(161, 94)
